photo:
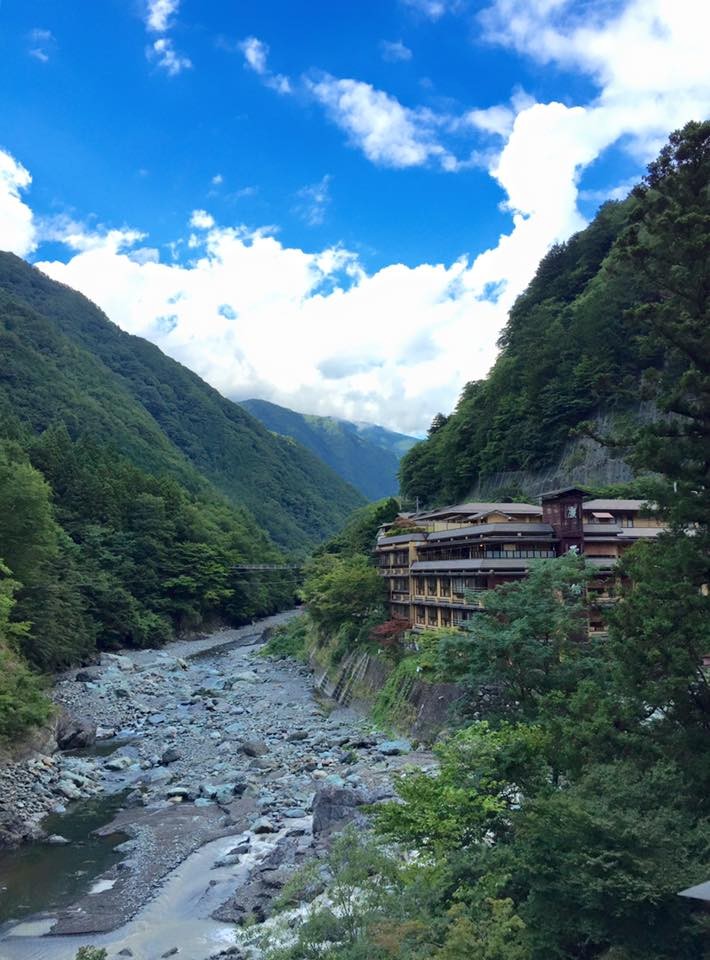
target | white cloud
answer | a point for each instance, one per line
(313, 329)
(256, 54)
(434, 9)
(201, 220)
(42, 42)
(387, 132)
(313, 200)
(394, 50)
(217, 180)
(17, 229)
(649, 59)
(393, 346)
(167, 58)
(159, 13)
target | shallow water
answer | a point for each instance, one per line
(179, 915)
(41, 876)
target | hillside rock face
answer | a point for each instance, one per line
(571, 352)
(583, 462)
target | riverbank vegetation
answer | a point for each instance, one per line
(572, 805)
(97, 555)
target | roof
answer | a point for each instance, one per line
(553, 494)
(628, 505)
(482, 508)
(507, 529)
(602, 529)
(402, 538)
(486, 563)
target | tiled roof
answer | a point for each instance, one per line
(512, 529)
(481, 508)
(487, 563)
(628, 505)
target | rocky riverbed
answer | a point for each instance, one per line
(231, 766)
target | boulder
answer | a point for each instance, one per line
(117, 660)
(263, 825)
(119, 763)
(392, 748)
(246, 676)
(297, 735)
(68, 790)
(88, 675)
(169, 756)
(74, 732)
(254, 748)
(334, 805)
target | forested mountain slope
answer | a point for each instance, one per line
(568, 352)
(365, 455)
(63, 359)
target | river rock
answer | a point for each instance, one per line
(68, 790)
(88, 675)
(254, 748)
(392, 748)
(57, 840)
(119, 763)
(117, 660)
(263, 825)
(74, 732)
(169, 756)
(245, 676)
(334, 805)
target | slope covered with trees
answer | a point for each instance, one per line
(571, 806)
(365, 455)
(569, 351)
(63, 359)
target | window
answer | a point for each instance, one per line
(445, 586)
(431, 586)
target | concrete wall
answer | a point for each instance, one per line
(358, 679)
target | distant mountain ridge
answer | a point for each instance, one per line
(364, 454)
(63, 359)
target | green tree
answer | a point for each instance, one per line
(530, 639)
(666, 242)
(341, 590)
(484, 774)
(22, 700)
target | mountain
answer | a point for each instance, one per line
(365, 455)
(572, 351)
(63, 359)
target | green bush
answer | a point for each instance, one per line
(289, 640)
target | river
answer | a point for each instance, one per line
(225, 750)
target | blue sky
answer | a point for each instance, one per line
(312, 202)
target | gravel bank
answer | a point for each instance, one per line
(218, 743)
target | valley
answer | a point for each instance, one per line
(209, 748)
